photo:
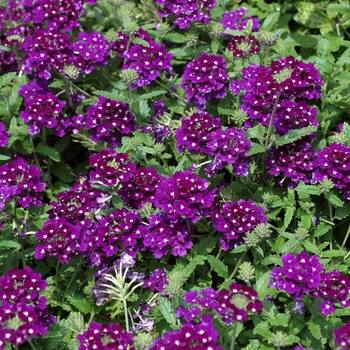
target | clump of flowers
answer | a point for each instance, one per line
(205, 78)
(333, 163)
(184, 195)
(22, 181)
(148, 61)
(236, 20)
(4, 135)
(107, 121)
(91, 49)
(43, 109)
(342, 336)
(24, 313)
(104, 337)
(187, 12)
(243, 47)
(195, 133)
(162, 234)
(157, 280)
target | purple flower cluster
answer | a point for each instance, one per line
(243, 47)
(333, 163)
(4, 135)
(224, 302)
(235, 219)
(157, 280)
(184, 195)
(162, 234)
(23, 312)
(22, 181)
(342, 336)
(192, 335)
(188, 11)
(236, 20)
(107, 121)
(295, 161)
(205, 78)
(105, 337)
(304, 274)
(148, 61)
(43, 108)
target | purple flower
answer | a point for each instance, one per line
(234, 219)
(163, 235)
(59, 239)
(188, 11)
(140, 188)
(148, 61)
(23, 312)
(91, 49)
(111, 167)
(205, 78)
(195, 132)
(184, 195)
(4, 135)
(43, 108)
(105, 337)
(22, 181)
(333, 163)
(157, 280)
(107, 121)
(243, 47)
(294, 161)
(342, 336)
(236, 20)
(229, 146)
(202, 335)
(298, 275)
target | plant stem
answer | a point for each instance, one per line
(346, 237)
(233, 341)
(269, 130)
(31, 344)
(125, 306)
(236, 268)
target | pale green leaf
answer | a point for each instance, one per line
(48, 151)
(166, 309)
(151, 94)
(218, 266)
(294, 135)
(205, 245)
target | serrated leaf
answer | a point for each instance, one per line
(205, 246)
(272, 260)
(279, 319)
(76, 322)
(191, 266)
(9, 244)
(309, 189)
(335, 200)
(62, 143)
(151, 94)
(256, 148)
(240, 249)
(270, 21)
(145, 138)
(289, 246)
(214, 47)
(322, 229)
(166, 309)
(218, 266)
(180, 52)
(48, 151)
(175, 38)
(115, 96)
(294, 135)
(288, 216)
(57, 83)
(312, 248)
(6, 78)
(226, 111)
(262, 285)
(333, 253)
(81, 304)
(315, 329)
(341, 213)
(141, 42)
(3, 157)
(144, 109)
(63, 171)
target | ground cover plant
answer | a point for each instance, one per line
(174, 174)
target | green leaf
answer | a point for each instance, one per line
(63, 171)
(315, 329)
(145, 138)
(226, 111)
(335, 200)
(289, 246)
(240, 249)
(175, 38)
(218, 266)
(309, 15)
(3, 157)
(322, 229)
(333, 253)
(144, 109)
(191, 266)
(270, 21)
(151, 94)
(6, 78)
(80, 303)
(57, 83)
(205, 246)
(214, 47)
(47, 151)
(288, 216)
(279, 319)
(9, 244)
(166, 309)
(312, 248)
(111, 95)
(306, 41)
(62, 143)
(272, 259)
(309, 189)
(256, 148)
(294, 135)
(140, 42)
(180, 52)
(341, 213)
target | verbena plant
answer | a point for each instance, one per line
(174, 174)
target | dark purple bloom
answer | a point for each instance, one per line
(91, 49)
(148, 61)
(298, 275)
(162, 235)
(22, 181)
(187, 11)
(43, 108)
(110, 167)
(342, 336)
(243, 47)
(235, 219)
(294, 161)
(4, 135)
(195, 132)
(205, 78)
(157, 280)
(333, 163)
(105, 337)
(23, 312)
(107, 121)
(184, 195)
(236, 20)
